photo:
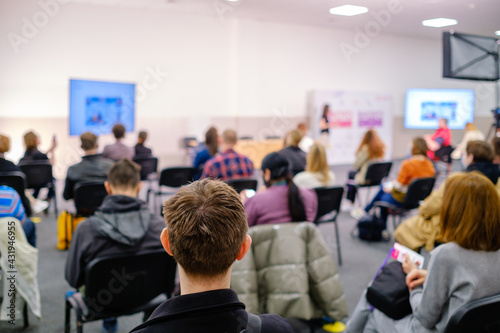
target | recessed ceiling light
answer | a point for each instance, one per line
(439, 22)
(497, 32)
(348, 10)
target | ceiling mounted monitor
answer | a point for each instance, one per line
(470, 57)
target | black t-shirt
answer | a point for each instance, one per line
(7, 166)
(33, 155)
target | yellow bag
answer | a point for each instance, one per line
(66, 225)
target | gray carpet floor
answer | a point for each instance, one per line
(360, 262)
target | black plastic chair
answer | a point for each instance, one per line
(88, 196)
(375, 174)
(17, 180)
(242, 184)
(39, 175)
(173, 178)
(418, 190)
(122, 285)
(329, 200)
(149, 169)
(246, 138)
(479, 316)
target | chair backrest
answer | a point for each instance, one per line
(329, 200)
(17, 180)
(149, 165)
(479, 316)
(176, 177)
(88, 196)
(129, 280)
(377, 172)
(242, 184)
(418, 190)
(38, 173)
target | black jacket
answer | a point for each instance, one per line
(92, 167)
(121, 225)
(216, 311)
(490, 170)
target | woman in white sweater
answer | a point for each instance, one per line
(317, 173)
(471, 134)
(462, 270)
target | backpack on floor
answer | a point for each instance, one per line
(370, 228)
(66, 225)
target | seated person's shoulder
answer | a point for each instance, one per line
(274, 323)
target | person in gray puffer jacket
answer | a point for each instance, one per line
(122, 224)
(289, 271)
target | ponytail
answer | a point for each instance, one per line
(295, 203)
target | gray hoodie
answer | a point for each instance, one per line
(122, 224)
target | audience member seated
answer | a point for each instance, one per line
(318, 173)
(211, 148)
(462, 270)
(306, 142)
(284, 277)
(32, 154)
(206, 232)
(282, 201)
(92, 167)
(417, 166)
(496, 147)
(295, 156)
(370, 150)
(439, 143)
(118, 150)
(140, 149)
(6, 165)
(31, 142)
(12, 206)
(123, 224)
(228, 164)
(471, 134)
(423, 229)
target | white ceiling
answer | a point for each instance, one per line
(480, 17)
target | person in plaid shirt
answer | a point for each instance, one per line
(228, 164)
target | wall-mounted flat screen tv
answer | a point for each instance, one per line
(424, 107)
(96, 106)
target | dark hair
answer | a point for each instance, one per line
(89, 141)
(206, 223)
(496, 145)
(124, 174)
(143, 135)
(481, 151)
(326, 108)
(279, 167)
(211, 140)
(419, 147)
(118, 131)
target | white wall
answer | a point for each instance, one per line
(216, 68)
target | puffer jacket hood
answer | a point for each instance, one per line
(123, 219)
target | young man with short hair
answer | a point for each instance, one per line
(92, 167)
(118, 150)
(228, 164)
(123, 224)
(206, 232)
(140, 149)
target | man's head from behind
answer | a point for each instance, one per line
(89, 142)
(143, 135)
(206, 228)
(228, 139)
(479, 151)
(118, 131)
(124, 178)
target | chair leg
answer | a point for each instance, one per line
(25, 315)
(55, 202)
(67, 317)
(339, 254)
(79, 324)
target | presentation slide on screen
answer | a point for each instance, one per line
(97, 106)
(424, 107)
